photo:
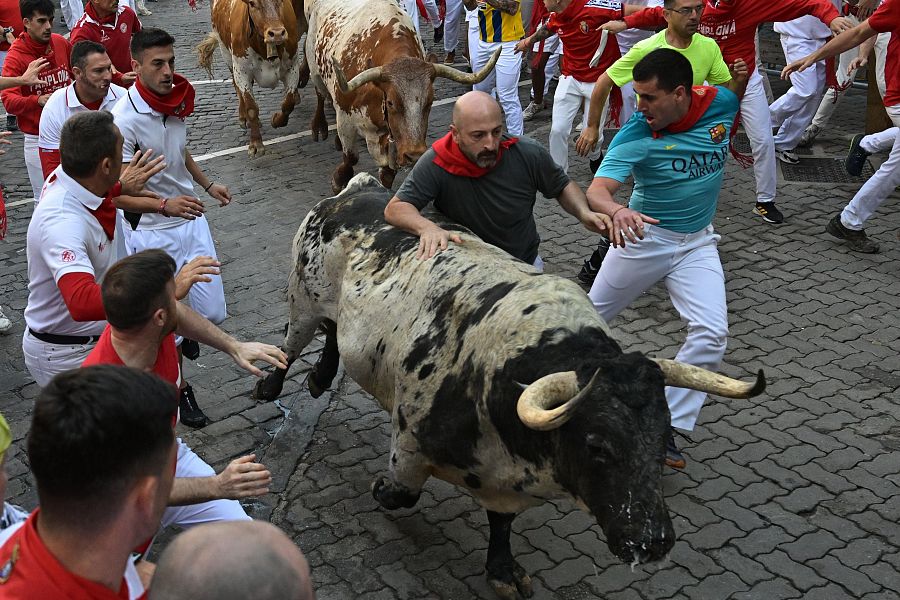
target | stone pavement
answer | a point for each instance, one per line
(793, 494)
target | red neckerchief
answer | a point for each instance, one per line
(701, 97)
(92, 13)
(106, 212)
(37, 48)
(177, 103)
(450, 158)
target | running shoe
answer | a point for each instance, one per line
(189, 411)
(674, 457)
(811, 133)
(531, 110)
(5, 324)
(769, 212)
(856, 240)
(787, 156)
(856, 156)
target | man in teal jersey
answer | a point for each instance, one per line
(675, 148)
(683, 18)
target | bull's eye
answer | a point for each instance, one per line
(598, 446)
(390, 104)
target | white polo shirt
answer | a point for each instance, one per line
(146, 129)
(64, 237)
(63, 104)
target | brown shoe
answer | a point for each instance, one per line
(450, 58)
(856, 240)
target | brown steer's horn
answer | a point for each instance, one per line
(367, 76)
(696, 378)
(468, 78)
(535, 402)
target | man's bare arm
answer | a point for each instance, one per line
(510, 7)
(573, 201)
(432, 237)
(626, 223)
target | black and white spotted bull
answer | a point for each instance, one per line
(498, 379)
(366, 56)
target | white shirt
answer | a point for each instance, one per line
(628, 38)
(64, 237)
(64, 103)
(146, 129)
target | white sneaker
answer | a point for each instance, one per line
(580, 127)
(142, 9)
(808, 136)
(5, 323)
(531, 110)
(787, 156)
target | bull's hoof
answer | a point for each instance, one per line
(509, 581)
(392, 495)
(268, 388)
(386, 175)
(279, 119)
(319, 130)
(315, 388)
(243, 123)
(256, 148)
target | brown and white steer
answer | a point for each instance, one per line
(365, 55)
(259, 41)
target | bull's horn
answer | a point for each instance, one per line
(549, 391)
(682, 375)
(467, 78)
(367, 76)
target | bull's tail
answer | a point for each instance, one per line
(206, 51)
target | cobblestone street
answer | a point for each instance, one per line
(792, 494)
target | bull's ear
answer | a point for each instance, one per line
(432, 58)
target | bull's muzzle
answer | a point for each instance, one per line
(274, 37)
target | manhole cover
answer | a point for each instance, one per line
(823, 170)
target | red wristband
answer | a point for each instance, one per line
(162, 207)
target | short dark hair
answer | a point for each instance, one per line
(86, 139)
(670, 68)
(149, 37)
(134, 288)
(94, 432)
(28, 8)
(81, 50)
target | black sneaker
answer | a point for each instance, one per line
(674, 457)
(856, 240)
(439, 33)
(189, 411)
(856, 156)
(595, 164)
(591, 266)
(12, 124)
(190, 349)
(769, 212)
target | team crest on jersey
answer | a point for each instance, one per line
(7, 569)
(717, 134)
(67, 256)
(584, 27)
(123, 27)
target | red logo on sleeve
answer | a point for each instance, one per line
(67, 256)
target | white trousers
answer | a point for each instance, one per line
(879, 186)
(412, 9)
(758, 126)
(472, 36)
(33, 164)
(571, 95)
(72, 11)
(829, 102)
(690, 267)
(452, 18)
(505, 77)
(794, 110)
(44, 360)
(188, 464)
(629, 99)
(184, 243)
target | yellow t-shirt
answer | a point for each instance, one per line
(703, 53)
(497, 26)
